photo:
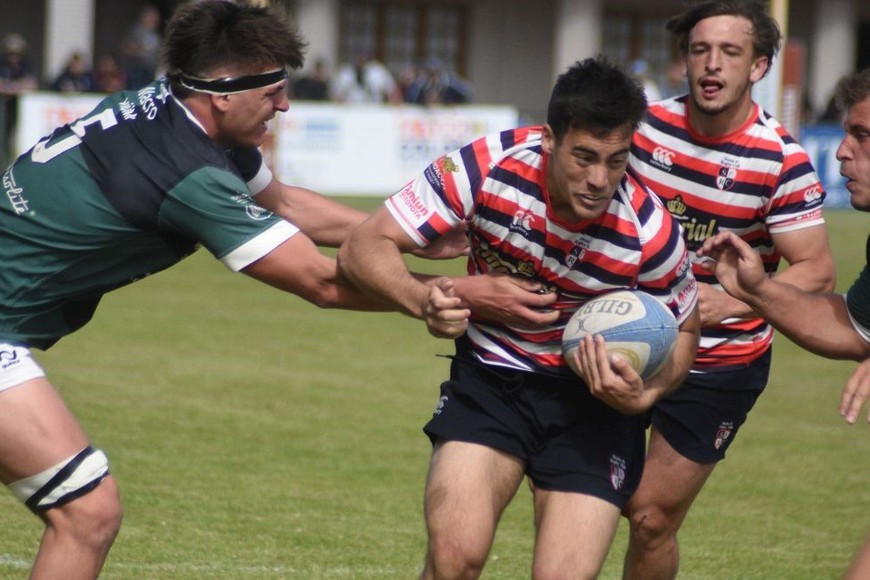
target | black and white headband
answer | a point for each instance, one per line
(232, 85)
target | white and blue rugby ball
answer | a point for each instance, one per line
(634, 325)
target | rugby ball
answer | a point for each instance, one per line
(634, 325)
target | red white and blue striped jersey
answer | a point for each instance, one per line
(757, 181)
(498, 186)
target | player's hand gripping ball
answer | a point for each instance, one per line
(634, 325)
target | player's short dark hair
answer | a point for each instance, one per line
(208, 34)
(766, 36)
(597, 96)
(852, 89)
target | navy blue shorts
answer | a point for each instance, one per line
(701, 418)
(569, 440)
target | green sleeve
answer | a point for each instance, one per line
(214, 207)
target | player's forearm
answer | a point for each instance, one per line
(378, 269)
(819, 323)
(324, 220)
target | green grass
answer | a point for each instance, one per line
(255, 436)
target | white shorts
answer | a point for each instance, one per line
(16, 366)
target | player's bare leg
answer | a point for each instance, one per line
(468, 488)
(574, 533)
(37, 431)
(657, 509)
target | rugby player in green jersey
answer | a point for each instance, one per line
(128, 190)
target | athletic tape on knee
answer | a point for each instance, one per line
(69, 479)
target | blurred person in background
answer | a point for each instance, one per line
(76, 76)
(313, 86)
(109, 75)
(141, 48)
(435, 84)
(365, 80)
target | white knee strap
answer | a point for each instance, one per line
(69, 479)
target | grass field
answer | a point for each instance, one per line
(255, 436)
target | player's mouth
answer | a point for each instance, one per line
(589, 201)
(710, 87)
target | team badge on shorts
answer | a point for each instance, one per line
(440, 407)
(617, 472)
(9, 358)
(723, 433)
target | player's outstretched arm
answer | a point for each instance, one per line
(372, 259)
(325, 221)
(818, 322)
(298, 267)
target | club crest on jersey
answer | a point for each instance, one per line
(577, 252)
(522, 221)
(617, 472)
(727, 174)
(723, 434)
(254, 211)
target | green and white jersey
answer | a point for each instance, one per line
(126, 191)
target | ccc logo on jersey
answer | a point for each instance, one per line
(663, 158)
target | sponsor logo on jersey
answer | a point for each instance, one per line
(522, 221)
(813, 195)
(409, 198)
(8, 358)
(723, 434)
(696, 232)
(14, 194)
(663, 158)
(127, 108)
(617, 472)
(498, 263)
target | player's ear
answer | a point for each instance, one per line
(759, 67)
(220, 102)
(548, 140)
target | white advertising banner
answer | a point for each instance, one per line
(332, 149)
(370, 149)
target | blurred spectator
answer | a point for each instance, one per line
(141, 48)
(15, 72)
(15, 76)
(109, 76)
(436, 84)
(641, 71)
(313, 86)
(76, 76)
(365, 80)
